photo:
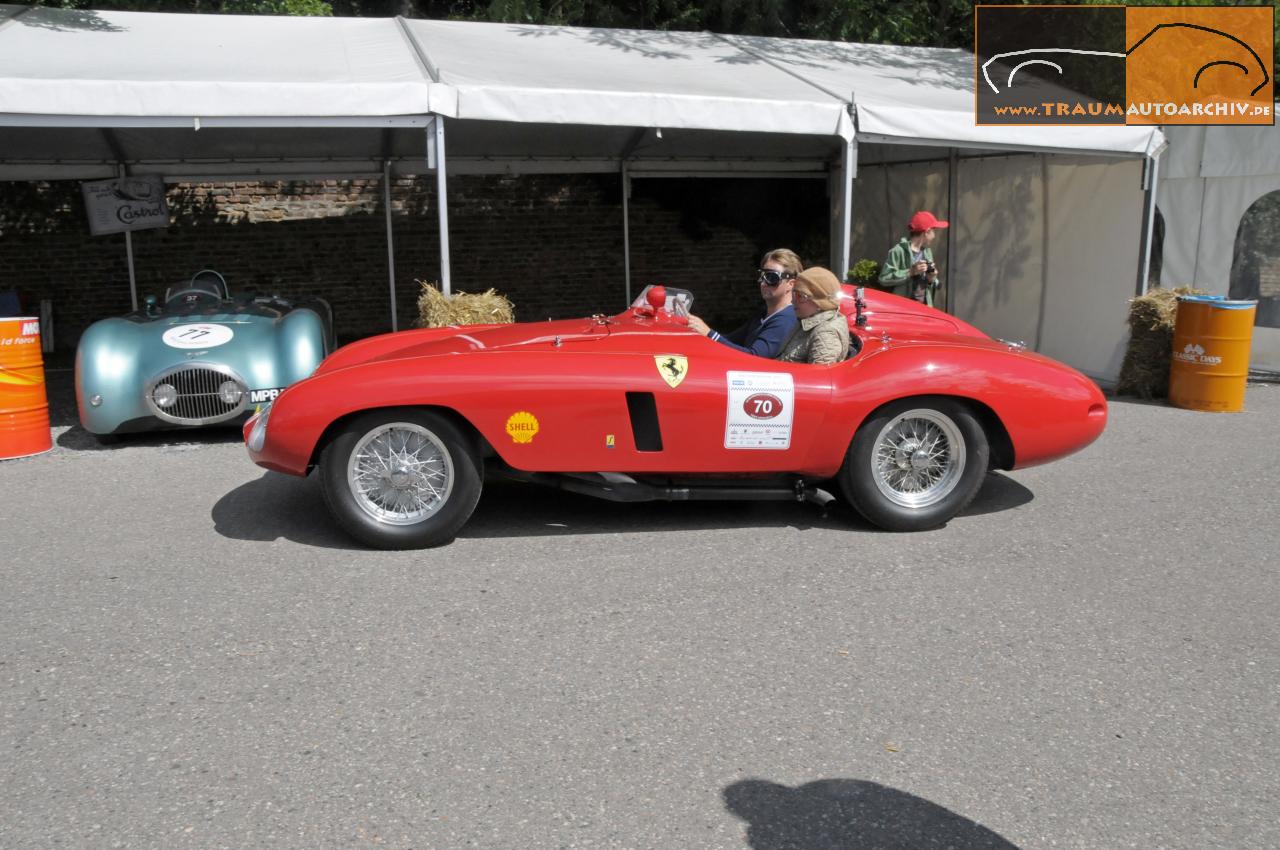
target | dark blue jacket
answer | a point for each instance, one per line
(763, 337)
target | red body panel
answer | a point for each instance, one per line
(569, 380)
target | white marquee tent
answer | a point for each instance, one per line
(1047, 221)
(1212, 176)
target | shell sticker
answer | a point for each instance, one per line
(197, 336)
(522, 426)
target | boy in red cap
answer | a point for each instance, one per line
(909, 265)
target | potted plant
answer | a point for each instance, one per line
(864, 273)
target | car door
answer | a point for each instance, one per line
(695, 405)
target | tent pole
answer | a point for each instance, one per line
(626, 230)
(1152, 174)
(391, 245)
(133, 281)
(953, 189)
(843, 243)
(443, 205)
(1045, 245)
(128, 252)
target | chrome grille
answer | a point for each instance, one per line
(197, 400)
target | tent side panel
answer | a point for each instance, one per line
(1095, 222)
(884, 198)
(1179, 203)
(1223, 207)
(998, 280)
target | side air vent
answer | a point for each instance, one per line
(644, 422)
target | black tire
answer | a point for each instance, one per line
(401, 508)
(915, 463)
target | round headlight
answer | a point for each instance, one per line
(95, 400)
(230, 392)
(164, 395)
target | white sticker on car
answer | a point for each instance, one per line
(759, 410)
(197, 336)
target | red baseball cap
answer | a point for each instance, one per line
(924, 220)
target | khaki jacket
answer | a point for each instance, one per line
(821, 338)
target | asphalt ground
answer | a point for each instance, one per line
(192, 656)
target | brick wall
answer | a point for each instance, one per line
(553, 244)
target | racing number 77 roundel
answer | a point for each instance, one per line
(759, 410)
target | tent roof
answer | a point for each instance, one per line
(926, 94)
(1222, 151)
(222, 95)
(573, 75)
(70, 62)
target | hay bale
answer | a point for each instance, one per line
(436, 310)
(1145, 371)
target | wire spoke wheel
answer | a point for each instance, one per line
(919, 458)
(400, 473)
(916, 462)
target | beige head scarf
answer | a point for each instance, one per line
(821, 286)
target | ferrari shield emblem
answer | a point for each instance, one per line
(672, 367)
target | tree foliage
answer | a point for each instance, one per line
(313, 8)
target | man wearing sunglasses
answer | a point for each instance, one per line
(764, 334)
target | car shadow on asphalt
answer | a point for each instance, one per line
(999, 493)
(77, 439)
(277, 506)
(842, 814)
(512, 509)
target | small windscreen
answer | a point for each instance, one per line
(206, 281)
(679, 301)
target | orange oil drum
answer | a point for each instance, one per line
(24, 405)
(1210, 365)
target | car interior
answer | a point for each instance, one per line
(205, 286)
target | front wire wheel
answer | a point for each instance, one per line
(400, 479)
(400, 473)
(916, 463)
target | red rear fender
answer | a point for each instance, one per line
(1046, 409)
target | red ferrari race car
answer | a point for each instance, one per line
(402, 427)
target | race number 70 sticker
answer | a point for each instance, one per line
(759, 410)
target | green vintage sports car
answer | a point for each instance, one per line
(199, 358)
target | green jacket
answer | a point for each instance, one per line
(895, 273)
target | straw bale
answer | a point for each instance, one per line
(1145, 371)
(436, 310)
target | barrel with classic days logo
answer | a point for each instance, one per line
(24, 405)
(1210, 365)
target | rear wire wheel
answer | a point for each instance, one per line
(916, 463)
(401, 479)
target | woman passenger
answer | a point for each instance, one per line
(822, 335)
